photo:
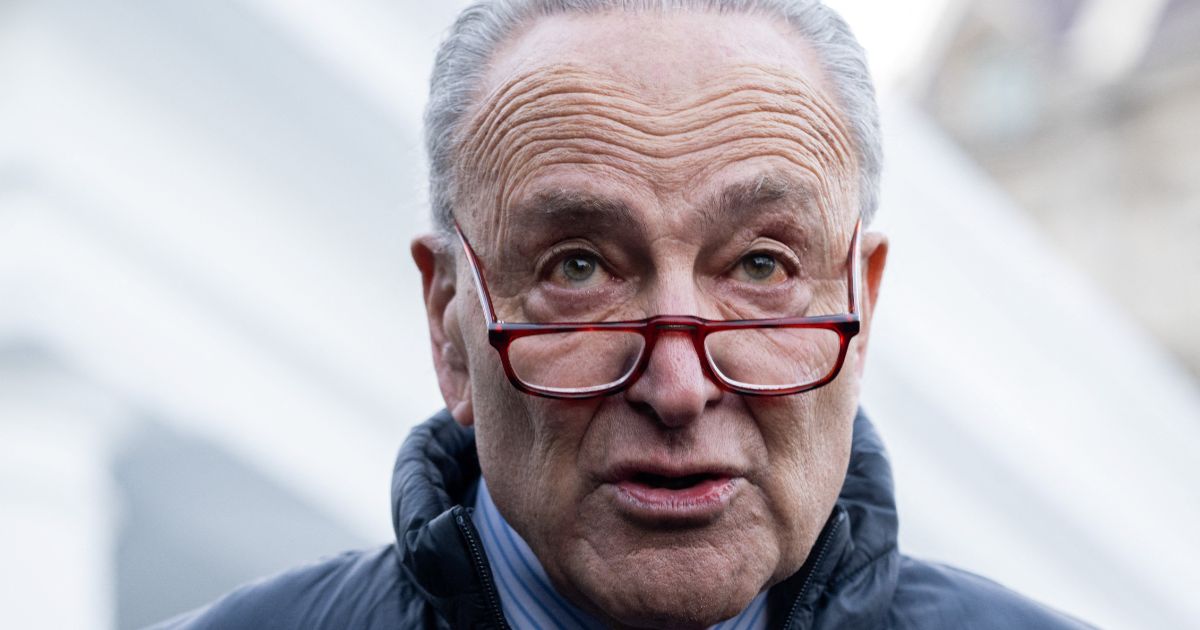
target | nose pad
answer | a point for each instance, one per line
(675, 385)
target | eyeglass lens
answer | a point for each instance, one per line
(580, 361)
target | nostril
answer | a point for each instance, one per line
(675, 387)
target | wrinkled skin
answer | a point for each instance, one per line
(691, 139)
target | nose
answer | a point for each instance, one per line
(675, 388)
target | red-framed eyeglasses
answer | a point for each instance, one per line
(753, 357)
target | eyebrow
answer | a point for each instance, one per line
(736, 201)
(572, 208)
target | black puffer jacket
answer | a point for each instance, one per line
(435, 575)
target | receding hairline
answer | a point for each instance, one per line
(517, 77)
(504, 61)
(483, 31)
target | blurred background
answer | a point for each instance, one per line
(212, 340)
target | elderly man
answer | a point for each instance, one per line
(649, 297)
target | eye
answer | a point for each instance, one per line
(578, 268)
(761, 268)
(575, 269)
(758, 266)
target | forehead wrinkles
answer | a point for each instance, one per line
(571, 115)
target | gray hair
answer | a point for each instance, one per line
(482, 27)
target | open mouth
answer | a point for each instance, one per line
(672, 483)
(677, 500)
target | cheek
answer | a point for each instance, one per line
(529, 453)
(807, 441)
(803, 434)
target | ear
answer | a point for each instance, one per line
(439, 283)
(874, 253)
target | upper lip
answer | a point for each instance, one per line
(624, 471)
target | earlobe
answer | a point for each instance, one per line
(439, 284)
(453, 375)
(875, 253)
(463, 411)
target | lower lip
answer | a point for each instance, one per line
(696, 504)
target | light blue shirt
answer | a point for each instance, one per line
(528, 599)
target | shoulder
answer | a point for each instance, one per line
(359, 589)
(933, 595)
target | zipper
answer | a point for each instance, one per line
(787, 623)
(481, 567)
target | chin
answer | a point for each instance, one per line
(670, 579)
(672, 616)
(673, 601)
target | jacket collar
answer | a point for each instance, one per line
(437, 545)
(847, 581)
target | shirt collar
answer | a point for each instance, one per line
(526, 595)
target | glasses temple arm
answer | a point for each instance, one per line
(485, 300)
(854, 265)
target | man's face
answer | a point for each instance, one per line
(621, 166)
